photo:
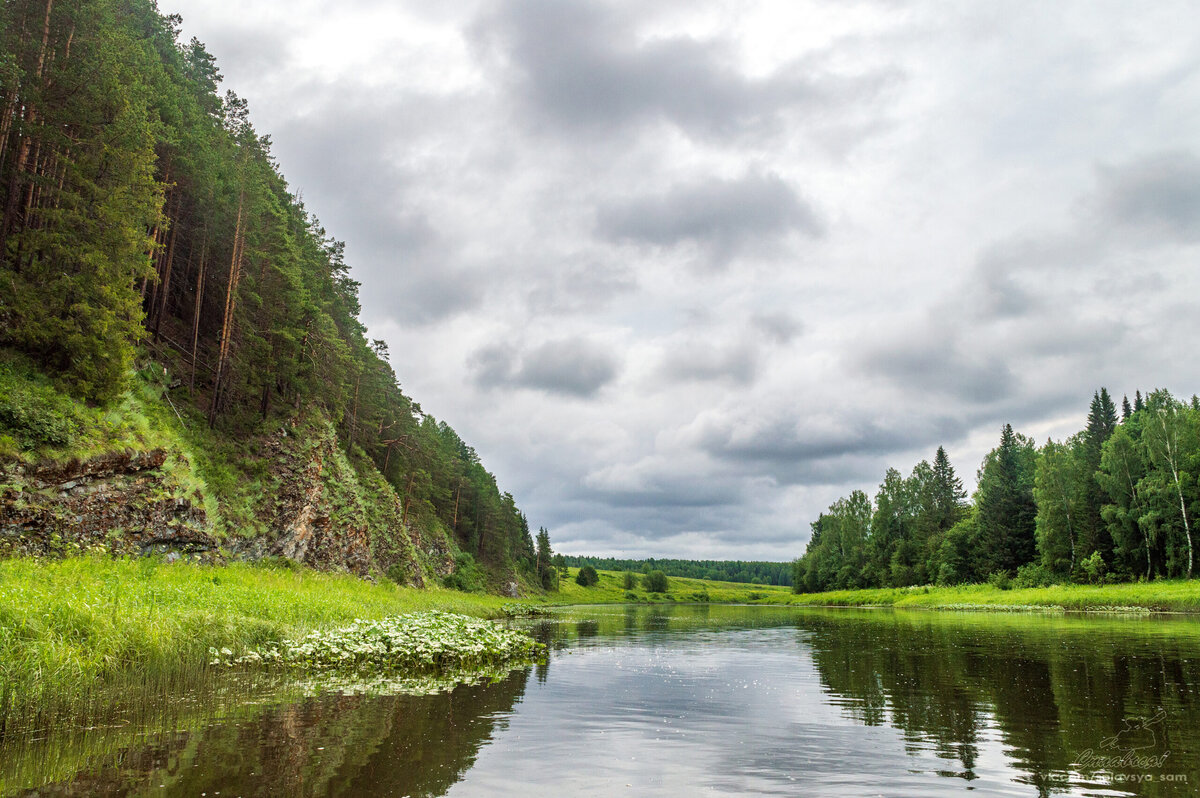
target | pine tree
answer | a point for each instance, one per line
(1093, 533)
(1138, 404)
(547, 573)
(948, 492)
(1005, 538)
(1102, 418)
(1126, 410)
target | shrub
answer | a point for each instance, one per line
(398, 573)
(1033, 575)
(1094, 568)
(628, 580)
(655, 582)
(467, 575)
(1000, 580)
(587, 576)
(35, 414)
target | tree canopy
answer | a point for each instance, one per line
(1118, 500)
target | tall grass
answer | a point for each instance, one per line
(69, 627)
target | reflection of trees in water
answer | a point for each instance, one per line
(328, 745)
(1056, 688)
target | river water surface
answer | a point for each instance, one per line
(691, 700)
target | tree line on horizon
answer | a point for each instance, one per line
(142, 214)
(1116, 501)
(743, 571)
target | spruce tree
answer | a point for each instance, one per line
(1093, 532)
(1005, 538)
(948, 492)
(1126, 410)
(547, 573)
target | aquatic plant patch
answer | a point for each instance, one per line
(519, 610)
(419, 642)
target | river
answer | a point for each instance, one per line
(689, 700)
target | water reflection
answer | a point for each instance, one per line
(1063, 692)
(702, 699)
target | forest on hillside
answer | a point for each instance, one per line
(1117, 501)
(747, 571)
(144, 218)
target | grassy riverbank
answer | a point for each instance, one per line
(69, 625)
(1165, 596)
(611, 590)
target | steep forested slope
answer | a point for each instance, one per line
(147, 229)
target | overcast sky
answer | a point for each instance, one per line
(684, 273)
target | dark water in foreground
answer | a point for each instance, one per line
(696, 700)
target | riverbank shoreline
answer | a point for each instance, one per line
(1166, 596)
(73, 626)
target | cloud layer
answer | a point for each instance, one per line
(684, 273)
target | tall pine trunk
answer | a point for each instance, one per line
(235, 269)
(31, 120)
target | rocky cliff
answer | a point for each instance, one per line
(311, 503)
(117, 501)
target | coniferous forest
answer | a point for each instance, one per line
(1117, 501)
(145, 220)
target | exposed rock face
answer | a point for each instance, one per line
(117, 501)
(314, 507)
(300, 525)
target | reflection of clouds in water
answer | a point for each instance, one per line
(720, 700)
(738, 712)
(665, 701)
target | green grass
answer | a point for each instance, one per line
(610, 590)
(1165, 596)
(70, 626)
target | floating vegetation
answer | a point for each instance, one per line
(1119, 610)
(519, 610)
(1049, 608)
(425, 642)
